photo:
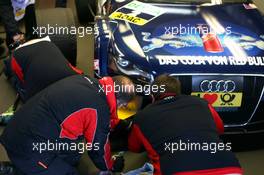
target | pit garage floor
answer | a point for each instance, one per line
(251, 159)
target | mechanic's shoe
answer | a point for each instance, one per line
(6, 168)
(6, 116)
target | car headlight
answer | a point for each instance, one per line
(122, 62)
(131, 69)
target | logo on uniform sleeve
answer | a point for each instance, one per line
(79, 123)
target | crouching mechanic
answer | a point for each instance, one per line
(36, 64)
(32, 67)
(180, 134)
(64, 113)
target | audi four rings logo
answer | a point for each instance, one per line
(217, 86)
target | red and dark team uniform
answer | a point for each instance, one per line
(68, 111)
(36, 66)
(183, 119)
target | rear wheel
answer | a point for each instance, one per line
(59, 22)
(86, 10)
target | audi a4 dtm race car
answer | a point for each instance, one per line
(215, 48)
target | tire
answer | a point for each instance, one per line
(57, 18)
(84, 11)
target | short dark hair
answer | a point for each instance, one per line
(171, 85)
(126, 91)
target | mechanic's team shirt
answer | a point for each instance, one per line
(166, 130)
(68, 111)
(37, 64)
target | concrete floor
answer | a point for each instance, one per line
(251, 161)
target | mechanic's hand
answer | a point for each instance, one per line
(18, 40)
(119, 163)
(124, 125)
(19, 37)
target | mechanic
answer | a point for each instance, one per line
(31, 68)
(13, 33)
(36, 64)
(167, 128)
(67, 111)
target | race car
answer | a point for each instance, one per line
(215, 48)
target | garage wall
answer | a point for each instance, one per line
(45, 4)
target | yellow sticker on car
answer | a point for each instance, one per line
(221, 99)
(128, 18)
(137, 12)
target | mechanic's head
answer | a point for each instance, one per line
(124, 90)
(170, 87)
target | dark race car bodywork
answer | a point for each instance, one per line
(225, 66)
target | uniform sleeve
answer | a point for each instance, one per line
(135, 143)
(94, 125)
(98, 135)
(217, 119)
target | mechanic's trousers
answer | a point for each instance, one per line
(44, 163)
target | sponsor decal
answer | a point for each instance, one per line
(217, 86)
(211, 42)
(130, 18)
(174, 41)
(221, 99)
(210, 60)
(135, 12)
(221, 92)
